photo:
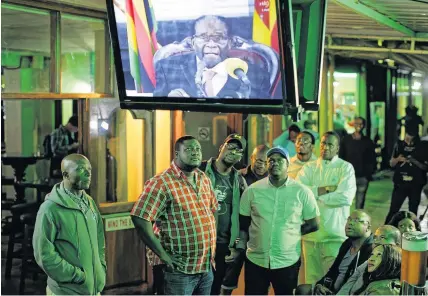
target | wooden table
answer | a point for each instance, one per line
(42, 186)
(19, 163)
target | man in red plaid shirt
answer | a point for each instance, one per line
(183, 200)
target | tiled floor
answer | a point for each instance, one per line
(377, 205)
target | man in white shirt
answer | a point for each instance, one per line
(332, 181)
(304, 147)
(275, 212)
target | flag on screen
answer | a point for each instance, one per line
(265, 28)
(141, 23)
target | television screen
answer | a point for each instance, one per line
(204, 55)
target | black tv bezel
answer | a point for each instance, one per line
(255, 106)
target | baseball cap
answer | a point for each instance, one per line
(279, 150)
(236, 137)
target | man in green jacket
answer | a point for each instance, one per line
(228, 184)
(68, 239)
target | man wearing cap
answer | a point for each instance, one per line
(275, 212)
(332, 181)
(228, 186)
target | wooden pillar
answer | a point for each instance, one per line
(234, 124)
(323, 110)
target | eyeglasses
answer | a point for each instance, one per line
(234, 149)
(307, 142)
(216, 38)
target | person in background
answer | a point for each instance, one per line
(384, 235)
(405, 221)
(359, 150)
(182, 198)
(382, 276)
(228, 186)
(410, 162)
(68, 239)
(63, 143)
(275, 212)
(353, 252)
(287, 139)
(258, 167)
(332, 181)
(304, 147)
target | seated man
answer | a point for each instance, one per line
(204, 73)
(384, 235)
(353, 252)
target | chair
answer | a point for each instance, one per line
(16, 234)
(28, 262)
(247, 50)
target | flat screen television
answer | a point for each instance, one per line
(204, 55)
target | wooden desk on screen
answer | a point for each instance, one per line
(125, 252)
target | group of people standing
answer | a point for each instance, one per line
(287, 218)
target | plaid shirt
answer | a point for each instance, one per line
(188, 227)
(60, 141)
(151, 256)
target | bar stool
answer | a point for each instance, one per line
(28, 262)
(17, 233)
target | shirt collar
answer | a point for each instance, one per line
(220, 68)
(327, 162)
(287, 182)
(178, 172)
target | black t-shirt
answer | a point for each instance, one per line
(409, 173)
(360, 153)
(223, 189)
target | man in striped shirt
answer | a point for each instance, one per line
(182, 198)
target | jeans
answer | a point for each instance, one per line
(399, 195)
(360, 196)
(178, 283)
(257, 279)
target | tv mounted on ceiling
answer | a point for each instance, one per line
(205, 55)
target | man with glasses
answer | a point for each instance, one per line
(228, 186)
(257, 170)
(182, 199)
(359, 150)
(304, 147)
(332, 181)
(275, 212)
(384, 235)
(353, 252)
(204, 72)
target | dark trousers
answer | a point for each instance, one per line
(258, 279)
(399, 195)
(158, 285)
(360, 196)
(226, 275)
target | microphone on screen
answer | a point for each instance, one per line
(237, 69)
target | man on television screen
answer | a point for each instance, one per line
(209, 72)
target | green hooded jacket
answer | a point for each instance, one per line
(69, 245)
(239, 186)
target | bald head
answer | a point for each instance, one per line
(363, 215)
(76, 171)
(387, 235)
(259, 160)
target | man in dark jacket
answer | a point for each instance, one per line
(353, 252)
(359, 150)
(257, 170)
(228, 186)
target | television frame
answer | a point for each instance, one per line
(288, 104)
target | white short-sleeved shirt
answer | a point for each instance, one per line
(277, 214)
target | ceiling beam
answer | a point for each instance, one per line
(362, 9)
(422, 35)
(376, 49)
